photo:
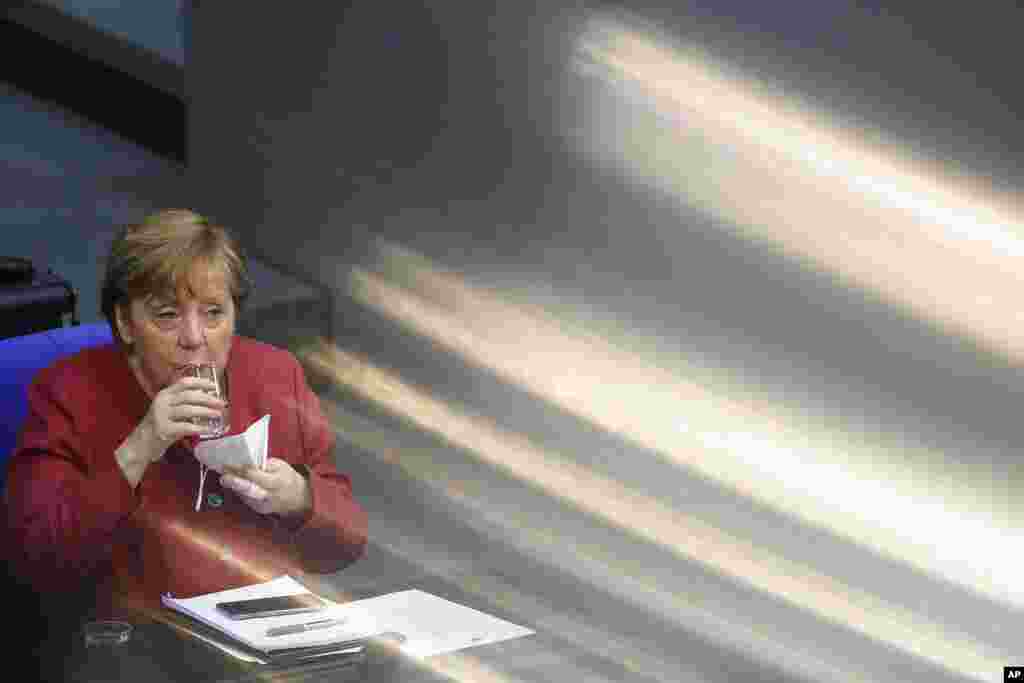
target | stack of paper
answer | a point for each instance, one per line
(253, 633)
(424, 624)
(430, 625)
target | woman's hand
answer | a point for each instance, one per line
(173, 409)
(168, 420)
(278, 489)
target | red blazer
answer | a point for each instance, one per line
(75, 523)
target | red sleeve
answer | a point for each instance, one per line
(334, 534)
(63, 511)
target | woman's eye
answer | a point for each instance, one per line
(167, 315)
(214, 312)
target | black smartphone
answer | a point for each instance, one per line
(272, 606)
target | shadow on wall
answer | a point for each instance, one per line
(59, 208)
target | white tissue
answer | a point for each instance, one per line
(240, 450)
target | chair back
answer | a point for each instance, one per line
(21, 358)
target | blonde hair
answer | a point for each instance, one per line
(157, 257)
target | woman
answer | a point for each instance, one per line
(102, 487)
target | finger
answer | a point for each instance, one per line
(179, 430)
(275, 464)
(244, 488)
(186, 383)
(180, 414)
(273, 477)
(261, 506)
(197, 397)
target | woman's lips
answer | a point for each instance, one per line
(182, 369)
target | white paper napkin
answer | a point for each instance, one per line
(240, 450)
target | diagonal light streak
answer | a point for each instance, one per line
(649, 519)
(822, 477)
(200, 540)
(594, 564)
(590, 564)
(778, 173)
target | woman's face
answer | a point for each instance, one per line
(168, 333)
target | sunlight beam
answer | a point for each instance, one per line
(657, 523)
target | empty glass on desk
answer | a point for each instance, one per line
(106, 633)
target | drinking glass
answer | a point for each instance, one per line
(213, 426)
(100, 633)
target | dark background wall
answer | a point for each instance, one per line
(448, 104)
(93, 109)
(443, 127)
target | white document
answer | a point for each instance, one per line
(253, 632)
(432, 625)
(240, 450)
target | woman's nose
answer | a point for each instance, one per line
(192, 334)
